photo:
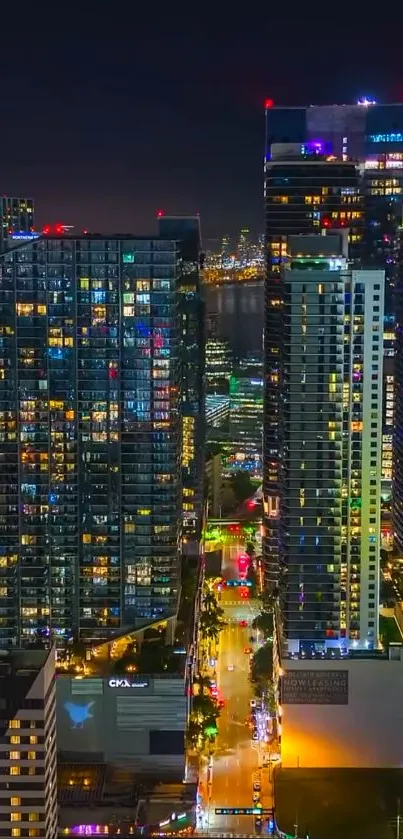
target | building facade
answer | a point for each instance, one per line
(372, 135)
(28, 767)
(90, 432)
(192, 356)
(16, 219)
(246, 410)
(305, 191)
(138, 721)
(331, 419)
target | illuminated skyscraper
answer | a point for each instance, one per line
(306, 191)
(246, 410)
(372, 135)
(187, 232)
(16, 218)
(90, 435)
(330, 475)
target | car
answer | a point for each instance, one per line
(256, 786)
(243, 623)
(253, 703)
(221, 703)
(248, 650)
(258, 824)
(231, 667)
(255, 735)
(255, 797)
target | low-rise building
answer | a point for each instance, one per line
(28, 770)
(126, 720)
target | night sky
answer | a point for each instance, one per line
(105, 121)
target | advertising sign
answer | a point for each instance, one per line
(313, 687)
(123, 682)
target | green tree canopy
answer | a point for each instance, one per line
(264, 622)
(262, 663)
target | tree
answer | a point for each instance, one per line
(242, 486)
(228, 499)
(264, 622)
(262, 664)
(250, 549)
(211, 625)
(251, 577)
(203, 683)
(202, 724)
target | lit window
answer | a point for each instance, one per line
(15, 802)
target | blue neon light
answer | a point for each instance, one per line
(20, 236)
(385, 138)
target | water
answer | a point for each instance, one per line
(239, 310)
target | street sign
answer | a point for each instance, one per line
(244, 811)
(239, 583)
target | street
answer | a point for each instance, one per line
(236, 757)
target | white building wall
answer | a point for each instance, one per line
(367, 732)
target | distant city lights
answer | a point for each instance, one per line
(366, 101)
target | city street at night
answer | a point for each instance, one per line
(236, 758)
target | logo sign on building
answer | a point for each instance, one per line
(313, 687)
(21, 236)
(123, 682)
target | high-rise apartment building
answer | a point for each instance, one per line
(28, 766)
(90, 435)
(372, 135)
(192, 358)
(246, 409)
(218, 365)
(331, 418)
(16, 219)
(305, 191)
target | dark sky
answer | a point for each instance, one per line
(105, 120)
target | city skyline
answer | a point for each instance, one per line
(129, 120)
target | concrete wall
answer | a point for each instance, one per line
(141, 726)
(366, 732)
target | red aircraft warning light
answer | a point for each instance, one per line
(269, 103)
(160, 214)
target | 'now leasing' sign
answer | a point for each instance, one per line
(313, 687)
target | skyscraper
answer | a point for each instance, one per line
(305, 190)
(90, 435)
(192, 359)
(16, 219)
(331, 418)
(246, 411)
(371, 134)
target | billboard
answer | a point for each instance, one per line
(314, 687)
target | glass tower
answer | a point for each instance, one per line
(90, 434)
(16, 218)
(187, 232)
(306, 191)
